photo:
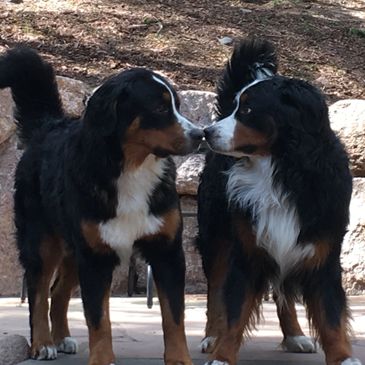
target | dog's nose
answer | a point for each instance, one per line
(208, 132)
(196, 134)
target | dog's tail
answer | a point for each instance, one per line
(251, 59)
(34, 89)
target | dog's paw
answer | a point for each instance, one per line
(47, 352)
(216, 362)
(299, 344)
(68, 345)
(351, 361)
(207, 343)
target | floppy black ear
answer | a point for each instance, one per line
(308, 101)
(103, 107)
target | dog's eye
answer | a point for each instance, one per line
(161, 109)
(245, 110)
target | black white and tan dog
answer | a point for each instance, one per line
(90, 190)
(273, 208)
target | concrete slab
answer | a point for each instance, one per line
(137, 333)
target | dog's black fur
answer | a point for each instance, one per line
(311, 168)
(68, 176)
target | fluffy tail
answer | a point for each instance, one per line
(34, 89)
(252, 59)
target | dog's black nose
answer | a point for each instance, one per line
(208, 132)
(196, 133)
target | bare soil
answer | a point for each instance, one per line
(322, 41)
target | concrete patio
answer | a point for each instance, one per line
(137, 332)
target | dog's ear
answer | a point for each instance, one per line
(103, 108)
(311, 110)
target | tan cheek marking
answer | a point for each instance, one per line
(169, 138)
(93, 239)
(243, 135)
(139, 143)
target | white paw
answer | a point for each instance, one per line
(351, 361)
(299, 344)
(47, 353)
(68, 345)
(216, 362)
(207, 343)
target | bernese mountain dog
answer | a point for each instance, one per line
(88, 191)
(273, 207)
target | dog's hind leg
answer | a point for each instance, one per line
(294, 338)
(215, 269)
(65, 283)
(95, 274)
(38, 283)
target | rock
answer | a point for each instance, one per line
(10, 271)
(348, 121)
(353, 249)
(225, 41)
(197, 106)
(188, 174)
(13, 350)
(7, 127)
(74, 94)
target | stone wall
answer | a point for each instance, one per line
(347, 118)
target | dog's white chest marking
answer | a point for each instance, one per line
(250, 184)
(133, 219)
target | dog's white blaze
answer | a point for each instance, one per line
(224, 129)
(250, 184)
(133, 220)
(185, 123)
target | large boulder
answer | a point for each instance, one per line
(7, 127)
(73, 94)
(353, 249)
(188, 174)
(197, 106)
(348, 120)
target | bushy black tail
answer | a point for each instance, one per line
(34, 89)
(252, 58)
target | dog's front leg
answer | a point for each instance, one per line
(95, 273)
(168, 267)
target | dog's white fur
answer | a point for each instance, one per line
(250, 185)
(133, 219)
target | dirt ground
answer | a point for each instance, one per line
(322, 40)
